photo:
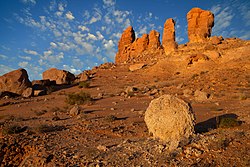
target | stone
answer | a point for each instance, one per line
(170, 119)
(16, 81)
(45, 82)
(197, 58)
(135, 67)
(60, 76)
(212, 54)
(187, 92)
(216, 40)
(168, 38)
(127, 38)
(39, 92)
(82, 77)
(75, 110)
(200, 23)
(154, 40)
(27, 92)
(201, 96)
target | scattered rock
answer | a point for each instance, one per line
(27, 92)
(60, 76)
(212, 54)
(75, 111)
(187, 92)
(201, 96)
(135, 67)
(170, 119)
(197, 58)
(16, 81)
(168, 38)
(39, 92)
(200, 23)
(216, 40)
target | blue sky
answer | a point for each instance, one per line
(78, 34)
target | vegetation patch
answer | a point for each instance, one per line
(84, 84)
(78, 98)
(228, 123)
(12, 129)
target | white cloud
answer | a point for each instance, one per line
(59, 13)
(61, 7)
(31, 52)
(3, 57)
(109, 2)
(5, 69)
(179, 39)
(57, 33)
(25, 57)
(99, 35)
(91, 37)
(69, 15)
(47, 53)
(83, 28)
(71, 69)
(23, 64)
(216, 9)
(223, 19)
(53, 44)
(29, 1)
(97, 16)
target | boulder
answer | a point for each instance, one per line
(212, 54)
(154, 40)
(16, 81)
(60, 76)
(216, 40)
(40, 92)
(75, 110)
(28, 92)
(135, 67)
(170, 119)
(200, 23)
(197, 58)
(168, 38)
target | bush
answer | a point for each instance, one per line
(228, 122)
(78, 98)
(12, 129)
(84, 84)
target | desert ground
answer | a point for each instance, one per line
(109, 129)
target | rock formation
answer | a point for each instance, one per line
(200, 23)
(127, 38)
(170, 119)
(154, 40)
(130, 48)
(60, 76)
(168, 38)
(16, 81)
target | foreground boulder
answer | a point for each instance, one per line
(60, 76)
(200, 23)
(16, 81)
(170, 119)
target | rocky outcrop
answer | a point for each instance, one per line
(154, 40)
(170, 119)
(200, 23)
(127, 38)
(168, 38)
(60, 76)
(16, 81)
(130, 48)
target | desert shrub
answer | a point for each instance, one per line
(78, 98)
(12, 129)
(84, 84)
(39, 113)
(50, 128)
(228, 122)
(110, 118)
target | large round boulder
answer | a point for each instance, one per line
(170, 119)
